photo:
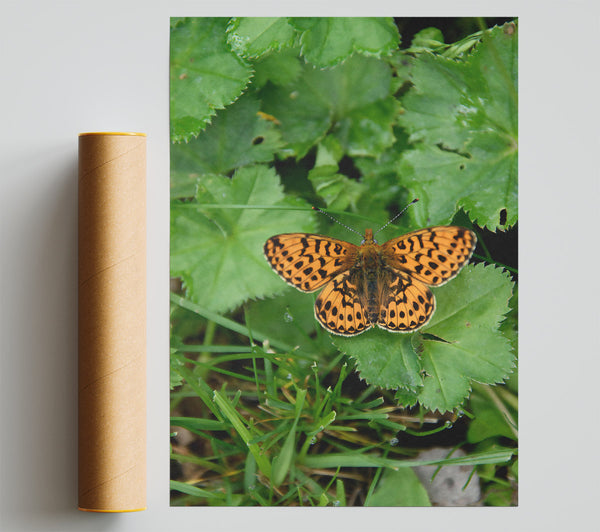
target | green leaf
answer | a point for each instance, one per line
(380, 175)
(367, 131)
(205, 74)
(237, 137)
(352, 101)
(196, 424)
(340, 492)
(283, 461)
(406, 399)
(383, 359)
(329, 152)
(489, 421)
(194, 491)
(218, 251)
(399, 488)
(496, 455)
(338, 191)
(446, 182)
(253, 37)
(227, 323)
(288, 317)
(463, 117)
(239, 424)
(461, 343)
(470, 346)
(200, 388)
(175, 21)
(327, 41)
(175, 378)
(281, 68)
(510, 329)
(250, 473)
(427, 39)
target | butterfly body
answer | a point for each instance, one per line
(385, 285)
(369, 272)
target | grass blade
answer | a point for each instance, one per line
(238, 424)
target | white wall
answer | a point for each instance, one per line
(68, 67)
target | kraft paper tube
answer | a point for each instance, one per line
(112, 322)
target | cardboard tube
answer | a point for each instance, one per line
(112, 322)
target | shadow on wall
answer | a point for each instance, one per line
(38, 371)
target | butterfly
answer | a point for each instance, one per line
(385, 285)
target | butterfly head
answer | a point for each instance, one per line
(368, 237)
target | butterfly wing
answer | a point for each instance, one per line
(406, 304)
(308, 261)
(339, 309)
(433, 255)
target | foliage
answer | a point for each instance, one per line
(464, 115)
(205, 74)
(461, 343)
(268, 117)
(227, 239)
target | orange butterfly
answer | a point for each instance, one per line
(371, 284)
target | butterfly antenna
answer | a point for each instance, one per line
(337, 221)
(397, 216)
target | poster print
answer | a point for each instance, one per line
(311, 365)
